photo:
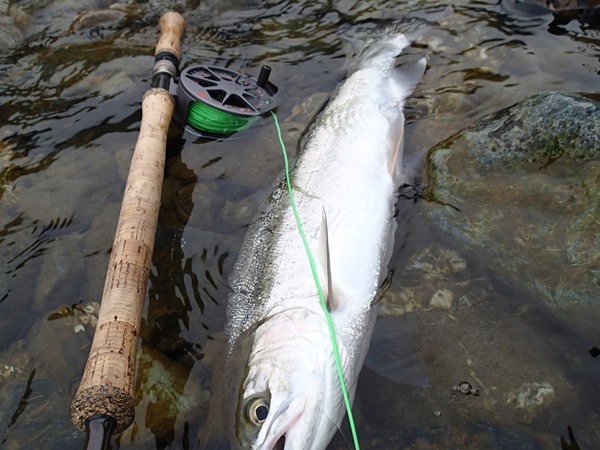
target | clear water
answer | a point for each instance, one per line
(70, 113)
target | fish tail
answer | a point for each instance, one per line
(384, 48)
(414, 25)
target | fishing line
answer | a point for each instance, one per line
(313, 268)
(204, 117)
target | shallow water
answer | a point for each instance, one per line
(70, 114)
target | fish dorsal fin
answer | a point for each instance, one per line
(325, 264)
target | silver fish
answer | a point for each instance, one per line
(280, 370)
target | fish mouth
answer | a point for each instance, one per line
(280, 444)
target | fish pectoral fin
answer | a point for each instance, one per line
(324, 264)
(392, 354)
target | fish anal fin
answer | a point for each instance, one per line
(393, 355)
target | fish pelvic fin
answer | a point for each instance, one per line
(324, 264)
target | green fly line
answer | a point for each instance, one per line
(313, 268)
(204, 117)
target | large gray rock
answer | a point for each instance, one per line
(521, 188)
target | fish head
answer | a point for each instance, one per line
(289, 396)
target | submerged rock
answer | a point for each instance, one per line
(473, 435)
(102, 18)
(563, 11)
(530, 397)
(167, 393)
(431, 279)
(521, 189)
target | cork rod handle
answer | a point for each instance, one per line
(107, 386)
(172, 27)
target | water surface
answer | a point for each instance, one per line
(70, 113)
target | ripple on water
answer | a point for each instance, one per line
(68, 123)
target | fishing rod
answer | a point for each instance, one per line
(104, 402)
(210, 102)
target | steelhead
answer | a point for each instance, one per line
(280, 376)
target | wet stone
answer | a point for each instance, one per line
(81, 317)
(473, 435)
(531, 397)
(442, 299)
(433, 279)
(240, 213)
(166, 392)
(464, 387)
(521, 189)
(99, 18)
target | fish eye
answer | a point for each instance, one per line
(257, 411)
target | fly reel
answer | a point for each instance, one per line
(216, 103)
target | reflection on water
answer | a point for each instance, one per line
(69, 118)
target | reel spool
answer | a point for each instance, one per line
(215, 103)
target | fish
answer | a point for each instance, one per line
(280, 374)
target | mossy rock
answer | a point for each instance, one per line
(521, 188)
